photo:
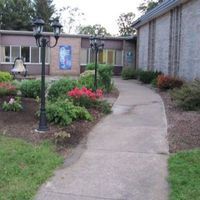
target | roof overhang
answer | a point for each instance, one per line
(159, 10)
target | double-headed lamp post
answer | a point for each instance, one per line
(43, 42)
(96, 43)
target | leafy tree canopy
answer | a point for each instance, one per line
(44, 9)
(125, 21)
(16, 15)
(93, 29)
(148, 5)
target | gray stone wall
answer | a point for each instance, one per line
(143, 47)
(190, 41)
(161, 58)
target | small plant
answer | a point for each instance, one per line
(85, 97)
(105, 75)
(103, 106)
(12, 105)
(59, 88)
(90, 66)
(30, 88)
(147, 77)
(61, 137)
(129, 73)
(188, 96)
(166, 82)
(87, 79)
(7, 88)
(5, 76)
(64, 112)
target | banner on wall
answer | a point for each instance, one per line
(65, 58)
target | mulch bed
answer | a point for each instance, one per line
(183, 126)
(22, 124)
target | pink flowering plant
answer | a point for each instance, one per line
(85, 97)
(7, 88)
(14, 104)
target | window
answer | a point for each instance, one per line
(15, 52)
(25, 54)
(35, 55)
(5, 54)
(105, 56)
(29, 54)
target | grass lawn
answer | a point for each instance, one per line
(24, 167)
(184, 175)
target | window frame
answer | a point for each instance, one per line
(30, 55)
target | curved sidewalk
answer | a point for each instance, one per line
(125, 156)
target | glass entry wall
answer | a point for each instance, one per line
(105, 56)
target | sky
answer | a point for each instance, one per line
(104, 12)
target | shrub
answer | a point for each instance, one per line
(87, 79)
(85, 97)
(64, 112)
(104, 75)
(90, 66)
(148, 76)
(12, 105)
(7, 89)
(5, 76)
(129, 73)
(30, 88)
(103, 106)
(59, 88)
(167, 82)
(188, 96)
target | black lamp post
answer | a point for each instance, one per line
(96, 43)
(43, 42)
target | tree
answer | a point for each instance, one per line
(93, 29)
(125, 21)
(70, 18)
(44, 9)
(16, 15)
(148, 5)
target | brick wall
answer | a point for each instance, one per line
(190, 40)
(75, 44)
(162, 43)
(143, 46)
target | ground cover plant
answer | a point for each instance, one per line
(24, 167)
(184, 175)
(14, 104)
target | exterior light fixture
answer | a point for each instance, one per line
(41, 41)
(96, 43)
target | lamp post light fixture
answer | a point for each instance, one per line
(96, 43)
(43, 42)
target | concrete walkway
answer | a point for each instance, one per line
(125, 156)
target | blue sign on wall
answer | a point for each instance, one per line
(65, 58)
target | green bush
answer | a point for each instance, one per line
(188, 96)
(30, 88)
(64, 112)
(87, 79)
(60, 88)
(5, 76)
(147, 77)
(105, 75)
(103, 106)
(129, 73)
(90, 66)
